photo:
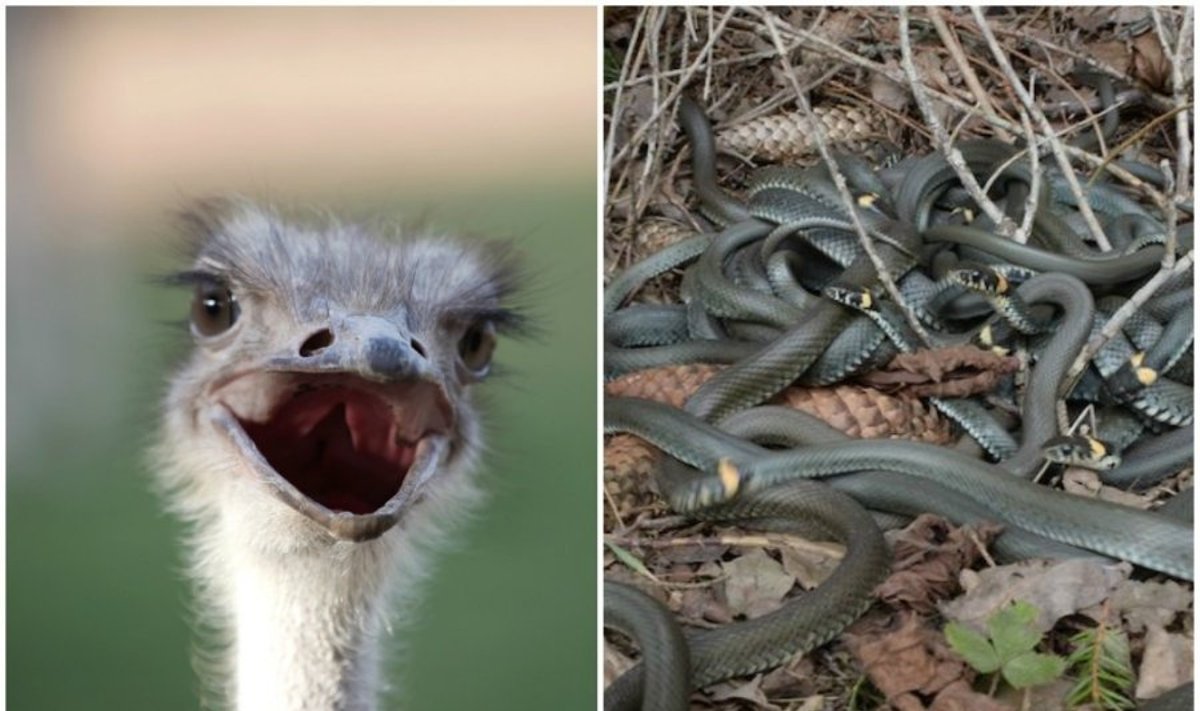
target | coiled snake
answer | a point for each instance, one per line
(715, 474)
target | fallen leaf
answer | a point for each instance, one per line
(1150, 603)
(1114, 53)
(886, 92)
(1128, 15)
(959, 696)
(1150, 64)
(616, 662)
(904, 657)
(929, 555)
(756, 584)
(793, 679)
(1085, 482)
(1090, 19)
(1166, 663)
(749, 691)
(809, 567)
(1047, 697)
(1055, 588)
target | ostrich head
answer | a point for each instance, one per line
(321, 429)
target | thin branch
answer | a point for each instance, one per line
(1035, 181)
(675, 92)
(828, 550)
(739, 59)
(631, 60)
(1182, 129)
(950, 40)
(817, 131)
(1171, 213)
(821, 45)
(1113, 326)
(1056, 147)
(1004, 225)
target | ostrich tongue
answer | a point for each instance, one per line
(346, 448)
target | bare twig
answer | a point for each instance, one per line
(1178, 84)
(1004, 225)
(1171, 213)
(821, 45)
(1056, 147)
(828, 550)
(1035, 181)
(950, 40)
(1113, 326)
(631, 60)
(818, 134)
(724, 61)
(701, 56)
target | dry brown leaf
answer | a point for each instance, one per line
(1047, 697)
(904, 657)
(1150, 64)
(756, 584)
(809, 567)
(1114, 53)
(941, 364)
(840, 26)
(615, 662)
(1128, 14)
(703, 603)
(929, 555)
(749, 691)
(931, 68)
(1149, 603)
(1166, 663)
(1085, 482)
(1090, 19)
(1055, 588)
(793, 679)
(888, 93)
(959, 696)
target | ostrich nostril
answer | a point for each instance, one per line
(420, 349)
(316, 343)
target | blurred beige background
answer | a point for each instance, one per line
(127, 107)
(480, 121)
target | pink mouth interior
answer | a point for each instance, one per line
(338, 446)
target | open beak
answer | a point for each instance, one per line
(346, 436)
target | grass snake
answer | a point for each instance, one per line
(719, 475)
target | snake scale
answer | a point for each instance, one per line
(752, 300)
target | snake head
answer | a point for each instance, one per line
(1132, 377)
(855, 298)
(981, 279)
(1081, 451)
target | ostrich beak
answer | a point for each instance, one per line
(347, 432)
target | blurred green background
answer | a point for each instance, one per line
(118, 116)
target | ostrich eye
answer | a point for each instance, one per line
(214, 309)
(476, 347)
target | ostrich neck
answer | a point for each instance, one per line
(307, 630)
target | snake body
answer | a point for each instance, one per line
(760, 278)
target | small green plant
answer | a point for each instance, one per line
(1008, 648)
(1101, 659)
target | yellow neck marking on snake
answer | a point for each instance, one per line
(1145, 374)
(1097, 447)
(1001, 283)
(866, 299)
(867, 200)
(729, 476)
